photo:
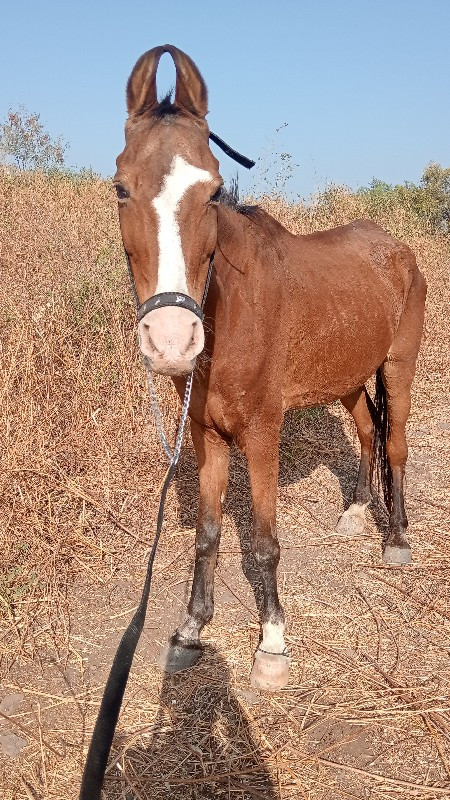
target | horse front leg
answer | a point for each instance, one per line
(271, 664)
(213, 457)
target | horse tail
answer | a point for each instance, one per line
(380, 469)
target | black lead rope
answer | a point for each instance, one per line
(105, 726)
(242, 160)
(97, 757)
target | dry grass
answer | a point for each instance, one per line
(367, 710)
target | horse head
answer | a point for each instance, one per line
(168, 185)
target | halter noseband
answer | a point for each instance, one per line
(164, 299)
(170, 299)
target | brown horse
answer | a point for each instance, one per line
(290, 322)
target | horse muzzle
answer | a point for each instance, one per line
(171, 338)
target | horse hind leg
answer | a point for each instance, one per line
(360, 406)
(388, 456)
(397, 374)
(397, 378)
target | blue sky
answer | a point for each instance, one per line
(361, 87)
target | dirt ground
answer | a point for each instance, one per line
(366, 713)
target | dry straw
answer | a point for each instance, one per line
(367, 711)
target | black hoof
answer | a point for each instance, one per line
(177, 657)
(393, 554)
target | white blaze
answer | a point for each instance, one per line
(171, 266)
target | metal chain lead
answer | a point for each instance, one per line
(184, 413)
(157, 415)
(173, 455)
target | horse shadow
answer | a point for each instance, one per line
(309, 439)
(202, 745)
(201, 742)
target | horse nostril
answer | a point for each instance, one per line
(190, 345)
(152, 346)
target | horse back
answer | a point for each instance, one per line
(346, 289)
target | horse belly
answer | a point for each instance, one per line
(337, 346)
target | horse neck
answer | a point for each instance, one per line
(244, 238)
(233, 241)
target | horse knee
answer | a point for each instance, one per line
(207, 538)
(397, 453)
(365, 435)
(265, 549)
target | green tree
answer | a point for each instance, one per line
(436, 186)
(429, 201)
(25, 143)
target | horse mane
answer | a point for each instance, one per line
(230, 197)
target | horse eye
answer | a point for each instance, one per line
(216, 196)
(121, 192)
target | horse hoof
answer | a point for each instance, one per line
(177, 657)
(393, 554)
(352, 521)
(270, 671)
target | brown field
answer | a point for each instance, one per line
(367, 711)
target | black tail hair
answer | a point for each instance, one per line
(380, 469)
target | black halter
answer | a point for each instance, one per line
(178, 299)
(170, 299)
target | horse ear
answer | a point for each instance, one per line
(141, 86)
(190, 92)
